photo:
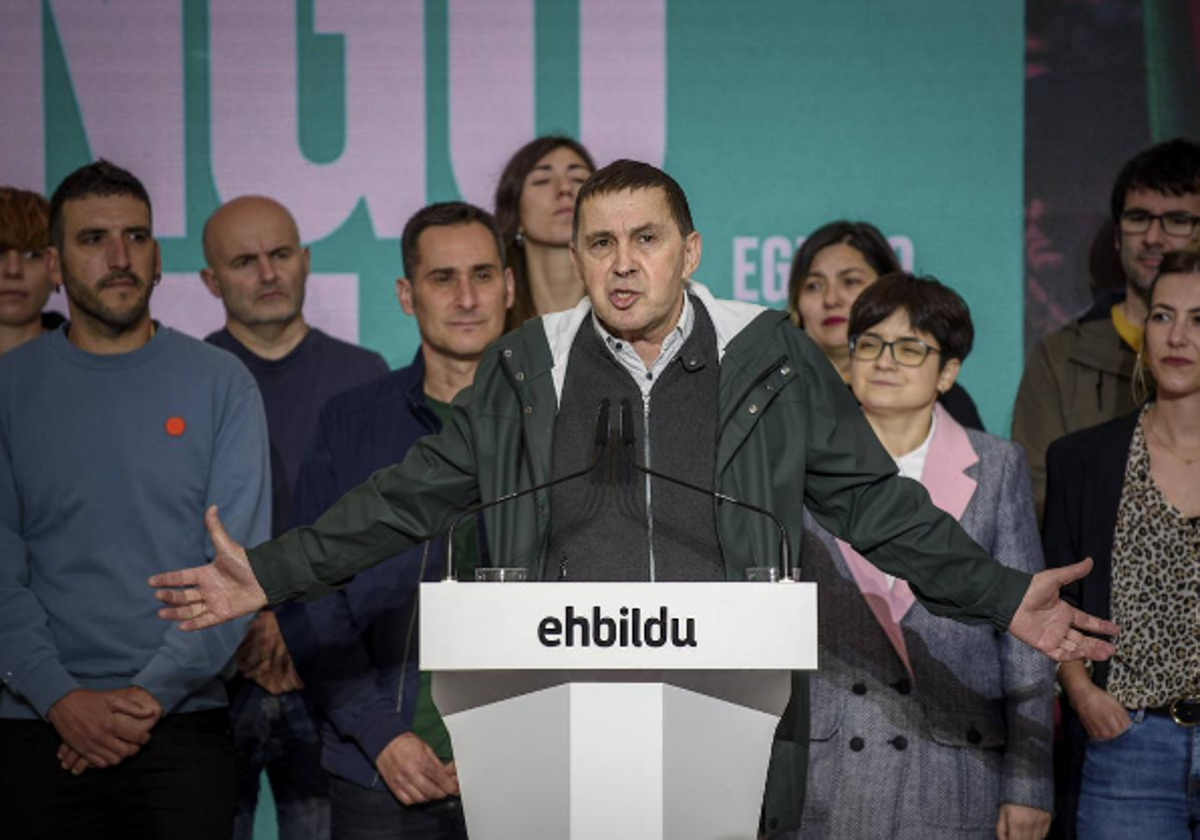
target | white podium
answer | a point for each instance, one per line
(614, 710)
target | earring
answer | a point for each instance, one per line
(519, 239)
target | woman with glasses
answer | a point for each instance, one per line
(535, 206)
(923, 727)
(829, 271)
(1127, 494)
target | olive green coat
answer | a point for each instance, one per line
(790, 436)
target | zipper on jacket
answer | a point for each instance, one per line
(646, 461)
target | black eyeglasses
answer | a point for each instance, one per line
(1173, 224)
(909, 352)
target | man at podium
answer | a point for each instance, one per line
(720, 394)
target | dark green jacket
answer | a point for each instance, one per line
(790, 436)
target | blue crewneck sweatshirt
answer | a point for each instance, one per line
(107, 464)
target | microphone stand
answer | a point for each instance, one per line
(601, 440)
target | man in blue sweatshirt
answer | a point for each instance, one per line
(115, 433)
(385, 747)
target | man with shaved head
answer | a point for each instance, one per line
(258, 268)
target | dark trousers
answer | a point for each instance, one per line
(278, 735)
(179, 786)
(359, 813)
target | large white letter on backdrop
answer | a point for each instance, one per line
(23, 152)
(623, 79)
(491, 90)
(622, 97)
(125, 58)
(255, 111)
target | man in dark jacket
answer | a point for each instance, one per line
(259, 270)
(769, 421)
(384, 745)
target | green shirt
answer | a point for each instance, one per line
(427, 721)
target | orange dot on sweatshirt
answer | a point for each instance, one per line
(176, 427)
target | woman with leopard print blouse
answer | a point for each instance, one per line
(1127, 493)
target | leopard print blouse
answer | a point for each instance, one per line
(1155, 592)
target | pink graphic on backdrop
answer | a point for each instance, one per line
(255, 111)
(491, 90)
(623, 79)
(126, 63)
(22, 156)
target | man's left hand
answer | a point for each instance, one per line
(75, 763)
(1020, 822)
(1046, 622)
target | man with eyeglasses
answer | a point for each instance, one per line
(1082, 375)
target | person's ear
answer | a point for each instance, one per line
(947, 375)
(210, 280)
(404, 294)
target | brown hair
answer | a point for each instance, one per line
(931, 306)
(442, 215)
(863, 237)
(24, 220)
(627, 175)
(508, 213)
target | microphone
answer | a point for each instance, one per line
(600, 441)
(628, 439)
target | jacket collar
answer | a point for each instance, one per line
(729, 318)
(951, 489)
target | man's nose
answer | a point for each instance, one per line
(1156, 234)
(266, 268)
(623, 262)
(468, 295)
(118, 253)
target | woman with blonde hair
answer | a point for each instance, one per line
(1127, 494)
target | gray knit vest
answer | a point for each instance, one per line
(600, 527)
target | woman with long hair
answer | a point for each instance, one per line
(535, 205)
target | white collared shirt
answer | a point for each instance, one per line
(623, 351)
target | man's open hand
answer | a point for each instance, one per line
(1046, 622)
(204, 596)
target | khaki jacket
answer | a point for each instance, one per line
(1077, 377)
